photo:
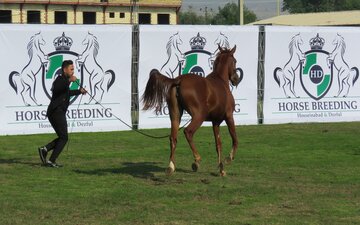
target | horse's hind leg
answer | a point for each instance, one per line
(32, 93)
(218, 147)
(175, 113)
(189, 133)
(231, 127)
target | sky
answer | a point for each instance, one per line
(262, 8)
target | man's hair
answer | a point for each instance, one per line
(65, 64)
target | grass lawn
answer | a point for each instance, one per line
(282, 174)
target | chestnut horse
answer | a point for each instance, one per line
(205, 99)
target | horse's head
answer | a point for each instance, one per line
(176, 39)
(338, 40)
(38, 39)
(222, 40)
(89, 38)
(294, 46)
(225, 61)
(299, 40)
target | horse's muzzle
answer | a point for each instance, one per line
(235, 79)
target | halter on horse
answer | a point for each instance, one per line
(205, 99)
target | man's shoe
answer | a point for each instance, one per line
(42, 154)
(52, 164)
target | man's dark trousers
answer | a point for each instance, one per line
(57, 120)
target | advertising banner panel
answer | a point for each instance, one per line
(178, 50)
(311, 74)
(31, 58)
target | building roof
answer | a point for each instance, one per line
(342, 18)
(127, 3)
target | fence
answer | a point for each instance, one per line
(289, 74)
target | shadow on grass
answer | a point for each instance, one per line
(18, 161)
(142, 170)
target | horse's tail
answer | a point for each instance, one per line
(110, 80)
(355, 73)
(14, 79)
(156, 90)
(276, 75)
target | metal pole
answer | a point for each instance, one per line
(241, 14)
(278, 7)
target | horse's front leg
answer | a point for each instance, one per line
(231, 127)
(79, 62)
(218, 147)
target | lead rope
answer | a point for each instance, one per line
(72, 127)
(126, 124)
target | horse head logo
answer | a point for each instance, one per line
(99, 81)
(24, 82)
(285, 77)
(175, 56)
(346, 76)
(221, 41)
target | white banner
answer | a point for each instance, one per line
(171, 50)
(312, 74)
(30, 59)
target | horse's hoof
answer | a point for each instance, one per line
(195, 166)
(169, 171)
(222, 173)
(228, 160)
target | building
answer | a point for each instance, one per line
(341, 18)
(89, 11)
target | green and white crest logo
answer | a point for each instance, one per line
(197, 61)
(62, 46)
(317, 69)
(316, 74)
(48, 67)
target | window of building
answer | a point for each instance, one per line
(33, 16)
(89, 17)
(112, 15)
(5, 16)
(60, 17)
(163, 18)
(144, 18)
(122, 15)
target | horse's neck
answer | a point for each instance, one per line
(337, 50)
(176, 49)
(90, 57)
(220, 72)
(88, 49)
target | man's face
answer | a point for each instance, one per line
(69, 71)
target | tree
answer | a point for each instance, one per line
(228, 15)
(190, 17)
(296, 6)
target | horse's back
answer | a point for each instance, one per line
(207, 96)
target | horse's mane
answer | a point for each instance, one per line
(342, 44)
(219, 59)
(224, 42)
(168, 45)
(292, 44)
(95, 43)
(30, 46)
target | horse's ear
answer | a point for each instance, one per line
(232, 51)
(220, 48)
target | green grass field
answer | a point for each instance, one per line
(282, 174)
